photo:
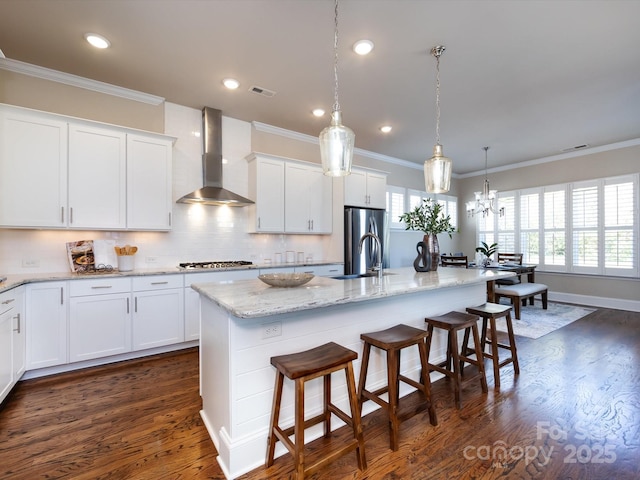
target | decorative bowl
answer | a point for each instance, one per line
(285, 279)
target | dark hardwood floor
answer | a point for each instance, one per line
(573, 413)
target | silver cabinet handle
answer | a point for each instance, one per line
(258, 222)
(70, 215)
(8, 301)
(101, 286)
(169, 218)
(127, 305)
(61, 295)
(17, 317)
(61, 214)
(159, 283)
(135, 305)
(311, 224)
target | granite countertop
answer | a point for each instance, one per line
(15, 280)
(253, 298)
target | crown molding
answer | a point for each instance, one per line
(23, 68)
(554, 158)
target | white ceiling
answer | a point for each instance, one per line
(528, 78)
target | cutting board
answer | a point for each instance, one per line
(104, 253)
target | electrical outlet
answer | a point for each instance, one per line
(270, 330)
(30, 263)
(151, 260)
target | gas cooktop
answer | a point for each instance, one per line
(216, 264)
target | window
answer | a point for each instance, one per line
(589, 227)
(401, 200)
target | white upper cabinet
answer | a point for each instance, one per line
(97, 178)
(148, 183)
(365, 188)
(308, 199)
(33, 170)
(63, 172)
(266, 189)
(291, 196)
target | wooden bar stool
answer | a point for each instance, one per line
(392, 341)
(301, 367)
(492, 311)
(452, 367)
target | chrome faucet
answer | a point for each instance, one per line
(378, 265)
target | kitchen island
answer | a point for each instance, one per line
(244, 323)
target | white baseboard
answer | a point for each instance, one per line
(588, 300)
(68, 367)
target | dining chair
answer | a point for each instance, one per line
(513, 258)
(454, 261)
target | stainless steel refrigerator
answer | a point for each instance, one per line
(357, 222)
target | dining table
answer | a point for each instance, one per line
(520, 270)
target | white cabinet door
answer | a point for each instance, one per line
(377, 190)
(308, 199)
(97, 178)
(33, 170)
(149, 187)
(19, 339)
(266, 189)
(46, 316)
(355, 189)
(158, 318)
(6, 354)
(296, 195)
(365, 189)
(99, 326)
(320, 201)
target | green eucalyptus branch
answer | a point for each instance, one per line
(429, 218)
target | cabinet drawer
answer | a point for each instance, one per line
(8, 301)
(157, 282)
(99, 286)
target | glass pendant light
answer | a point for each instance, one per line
(336, 140)
(437, 169)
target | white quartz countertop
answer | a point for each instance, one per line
(15, 280)
(253, 298)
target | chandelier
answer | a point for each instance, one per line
(437, 169)
(336, 140)
(487, 199)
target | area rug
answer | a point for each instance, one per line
(535, 322)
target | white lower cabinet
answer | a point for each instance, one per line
(99, 318)
(46, 328)
(7, 380)
(192, 298)
(158, 311)
(332, 270)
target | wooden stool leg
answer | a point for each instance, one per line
(457, 374)
(494, 352)
(392, 382)
(275, 418)
(299, 428)
(364, 367)
(426, 382)
(356, 418)
(326, 402)
(512, 345)
(476, 341)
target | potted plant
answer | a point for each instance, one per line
(428, 218)
(487, 251)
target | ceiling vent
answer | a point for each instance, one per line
(262, 91)
(576, 147)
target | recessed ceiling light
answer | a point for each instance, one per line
(363, 47)
(318, 112)
(96, 40)
(231, 83)
(385, 128)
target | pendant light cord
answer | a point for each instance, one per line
(336, 103)
(437, 98)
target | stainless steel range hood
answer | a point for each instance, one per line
(212, 193)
